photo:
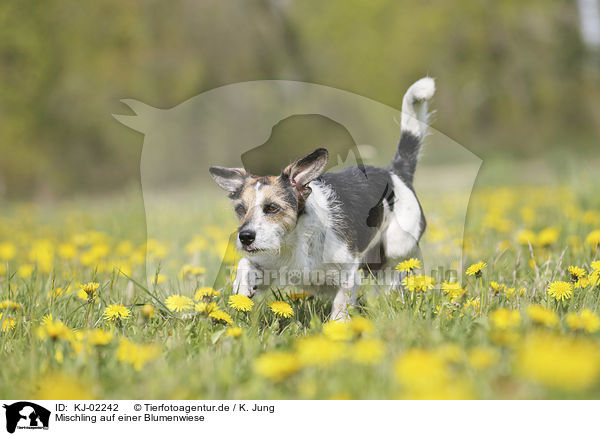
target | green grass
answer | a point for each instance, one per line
(195, 358)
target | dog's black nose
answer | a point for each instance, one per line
(247, 236)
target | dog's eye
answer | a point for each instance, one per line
(240, 210)
(271, 208)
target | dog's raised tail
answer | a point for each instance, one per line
(413, 127)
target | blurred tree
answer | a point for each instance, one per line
(512, 75)
(509, 73)
(64, 65)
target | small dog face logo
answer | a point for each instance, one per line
(26, 415)
(268, 207)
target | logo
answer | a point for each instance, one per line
(263, 126)
(26, 415)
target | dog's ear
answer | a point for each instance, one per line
(229, 179)
(306, 169)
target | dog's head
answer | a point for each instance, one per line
(268, 207)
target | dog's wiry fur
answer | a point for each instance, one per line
(304, 220)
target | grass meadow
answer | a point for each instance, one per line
(83, 316)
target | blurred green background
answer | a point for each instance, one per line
(515, 78)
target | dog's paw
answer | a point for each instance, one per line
(241, 287)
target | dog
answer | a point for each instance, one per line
(321, 229)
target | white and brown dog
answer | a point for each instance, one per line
(317, 230)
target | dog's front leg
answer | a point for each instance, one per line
(247, 278)
(346, 295)
(342, 300)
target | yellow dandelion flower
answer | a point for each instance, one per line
(338, 330)
(78, 340)
(450, 352)
(276, 365)
(341, 396)
(137, 355)
(548, 236)
(83, 339)
(541, 315)
(59, 356)
(234, 332)
(482, 357)
(367, 351)
(593, 239)
(116, 312)
(156, 249)
(59, 292)
(421, 369)
(25, 271)
(532, 264)
(179, 303)
(220, 316)
(591, 321)
(559, 362)
(46, 319)
(594, 278)
(560, 290)
(576, 273)
(7, 251)
(409, 265)
(446, 309)
(453, 290)
(451, 389)
(206, 307)
(281, 308)
(157, 279)
(574, 321)
(527, 237)
(67, 251)
(586, 320)
(90, 290)
(320, 351)
(98, 337)
(54, 330)
(59, 386)
(418, 283)
(472, 304)
(148, 310)
(295, 296)
(124, 248)
(496, 287)
(476, 269)
(206, 292)
(595, 265)
(10, 305)
(241, 303)
(361, 325)
(504, 337)
(591, 217)
(7, 323)
(197, 244)
(504, 318)
(190, 270)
